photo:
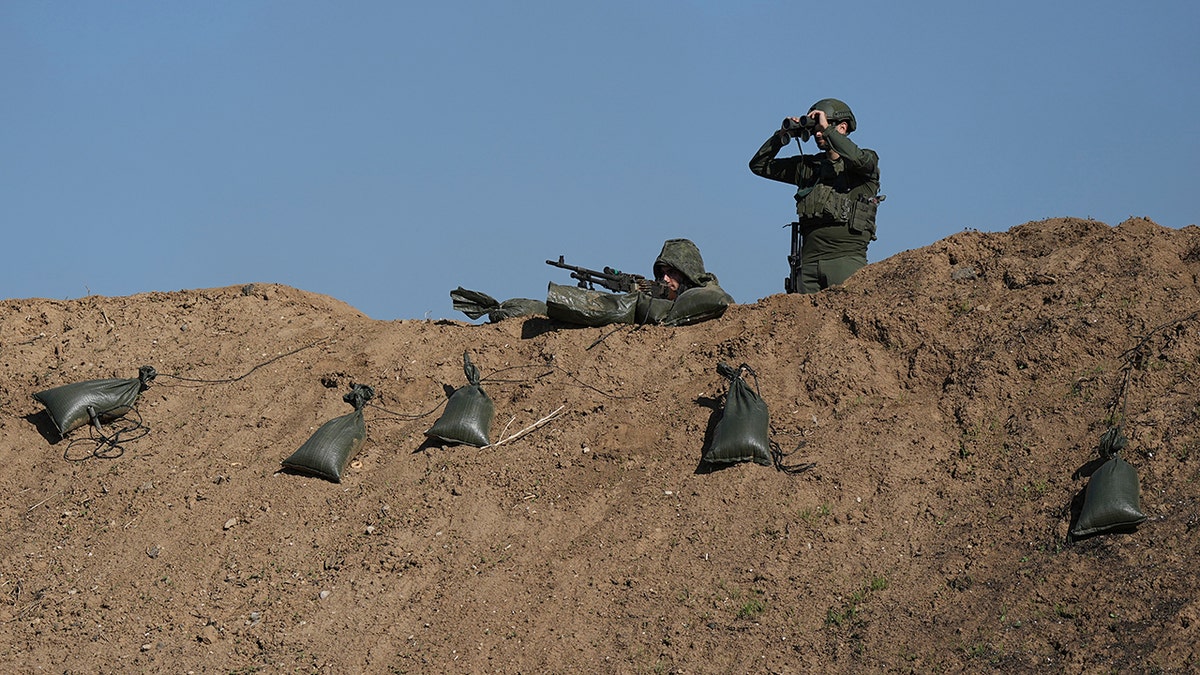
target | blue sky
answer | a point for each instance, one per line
(384, 153)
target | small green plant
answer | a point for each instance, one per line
(751, 608)
(811, 515)
(1036, 490)
(978, 650)
(839, 617)
(848, 612)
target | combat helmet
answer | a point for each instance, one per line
(835, 111)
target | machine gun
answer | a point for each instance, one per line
(612, 279)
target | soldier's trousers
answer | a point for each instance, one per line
(825, 273)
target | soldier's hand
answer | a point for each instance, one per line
(644, 285)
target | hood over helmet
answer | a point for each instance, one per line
(684, 256)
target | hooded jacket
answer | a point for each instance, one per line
(684, 256)
(703, 298)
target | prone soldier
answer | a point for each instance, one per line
(682, 293)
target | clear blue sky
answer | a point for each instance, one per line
(385, 152)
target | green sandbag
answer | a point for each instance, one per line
(476, 304)
(1112, 501)
(698, 304)
(585, 307)
(743, 432)
(110, 399)
(467, 418)
(330, 448)
(653, 310)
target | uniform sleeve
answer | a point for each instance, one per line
(860, 161)
(785, 170)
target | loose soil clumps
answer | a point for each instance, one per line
(948, 403)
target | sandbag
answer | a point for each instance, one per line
(585, 307)
(1112, 500)
(652, 310)
(110, 399)
(743, 432)
(475, 304)
(330, 448)
(467, 418)
(697, 304)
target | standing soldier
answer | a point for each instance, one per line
(836, 198)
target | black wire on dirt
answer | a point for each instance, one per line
(1132, 358)
(492, 379)
(778, 455)
(111, 446)
(268, 362)
(107, 446)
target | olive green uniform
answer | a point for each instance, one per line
(837, 221)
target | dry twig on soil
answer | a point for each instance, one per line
(528, 429)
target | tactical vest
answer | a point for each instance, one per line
(821, 205)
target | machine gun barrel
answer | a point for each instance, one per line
(612, 279)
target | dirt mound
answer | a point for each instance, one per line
(946, 399)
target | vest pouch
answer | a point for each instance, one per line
(862, 217)
(821, 203)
